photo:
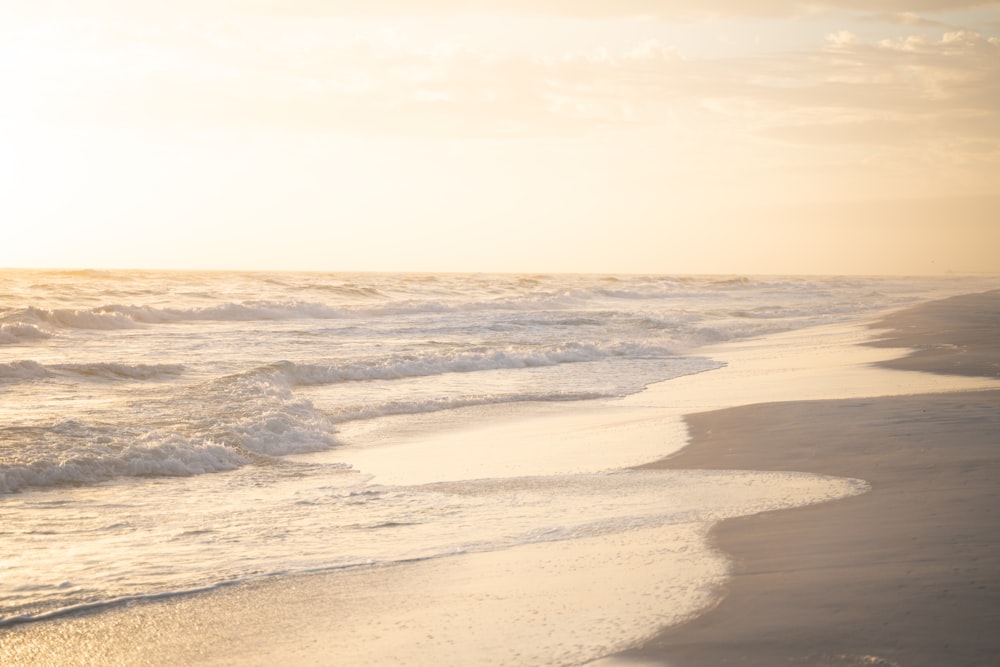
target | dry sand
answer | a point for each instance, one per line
(907, 574)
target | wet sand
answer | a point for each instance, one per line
(907, 574)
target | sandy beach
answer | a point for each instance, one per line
(500, 334)
(907, 574)
(904, 574)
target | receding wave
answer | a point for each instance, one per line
(55, 611)
(390, 408)
(59, 612)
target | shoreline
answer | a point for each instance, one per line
(299, 613)
(905, 575)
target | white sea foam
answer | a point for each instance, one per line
(200, 429)
(357, 411)
(276, 428)
(88, 454)
(346, 522)
(90, 464)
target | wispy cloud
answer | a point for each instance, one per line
(908, 19)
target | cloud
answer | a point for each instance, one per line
(909, 19)
(842, 39)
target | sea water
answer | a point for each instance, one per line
(167, 432)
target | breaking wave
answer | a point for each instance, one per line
(12, 334)
(93, 464)
(66, 318)
(22, 371)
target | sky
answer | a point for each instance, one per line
(590, 136)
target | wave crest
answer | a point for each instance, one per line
(66, 318)
(12, 334)
(22, 371)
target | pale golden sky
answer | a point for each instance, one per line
(695, 136)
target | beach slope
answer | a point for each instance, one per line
(907, 574)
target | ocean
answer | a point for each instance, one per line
(164, 433)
